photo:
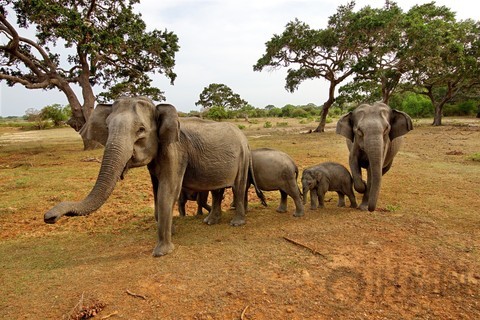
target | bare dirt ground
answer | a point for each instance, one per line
(416, 257)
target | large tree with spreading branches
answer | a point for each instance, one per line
(107, 44)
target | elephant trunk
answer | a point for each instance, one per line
(114, 163)
(305, 192)
(374, 150)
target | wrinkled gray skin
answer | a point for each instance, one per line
(199, 197)
(374, 136)
(205, 155)
(276, 170)
(327, 176)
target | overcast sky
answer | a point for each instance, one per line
(220, 41)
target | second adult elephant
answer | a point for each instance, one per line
(374, 136)
(198, 154)
(276, 170)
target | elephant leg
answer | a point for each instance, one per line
(182, 200)
(341, 199)
(166, 195)
(202, 198)
(321, 196)
(294, 193)
(283, 202)
(216, 212)
(351, 197)
(313, 199)
(240, 195)
(364, 205)
(155, 188)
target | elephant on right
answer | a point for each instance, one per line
(374, 135)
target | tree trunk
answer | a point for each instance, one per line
(437, 118)
(326, 107)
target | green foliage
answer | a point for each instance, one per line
(299, 113)
(267, 124)
(220, 95)
(56, 113)
(241, 126)
(416, 105)
(217, 113)
(282, 124)
(465, 108)
(110, 47)
(475, 156)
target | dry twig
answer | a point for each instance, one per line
(109, 315)
(242, 316)
(305, 246)
(136, 295)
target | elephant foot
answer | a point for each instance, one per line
(298, 213)
(363, 206)
(281, 210)
(163, 248)
(212, 219)
(313, 208)
(237, 221)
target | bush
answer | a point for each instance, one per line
(282, 124)
(417, 106)
(267, 124)
(466, 108)
(299, 113)
(56, 113)
(241, 126)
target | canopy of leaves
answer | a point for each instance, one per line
(109, 44)
(220, 95)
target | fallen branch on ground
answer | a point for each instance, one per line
(136, 295)
(305, 246)
(242, 316)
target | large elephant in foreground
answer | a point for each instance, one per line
(374, 135)
(201, 154)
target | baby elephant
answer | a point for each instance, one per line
(199, 197)
(327, 176)
(276, 170)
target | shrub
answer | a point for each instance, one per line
(267, 124)
(241, 126)
(282, 124)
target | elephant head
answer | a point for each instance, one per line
(132, 131)
(309, 182)
(373, 137)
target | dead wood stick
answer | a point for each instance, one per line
(242, 316)
(136, 295)
(305, 246)
(109, 315)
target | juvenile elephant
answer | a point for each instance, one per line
(200, 197)
(374, 136)
(204, 155)
(327, 176)
(276, 170)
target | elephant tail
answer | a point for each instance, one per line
(257, 190)
(296, 181)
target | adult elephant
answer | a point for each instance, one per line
(374, 136)
(204, 155)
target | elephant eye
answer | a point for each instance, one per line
(359, 132)
(141, 130)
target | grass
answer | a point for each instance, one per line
(427, 224)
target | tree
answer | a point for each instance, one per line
(109, 47)
(331, 53)
(443, 53)
(56, 113)
(220, 95)
(217, 113)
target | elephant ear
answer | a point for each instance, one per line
(400, 123)
(168, 124)
(344, 126)
(96, 126)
